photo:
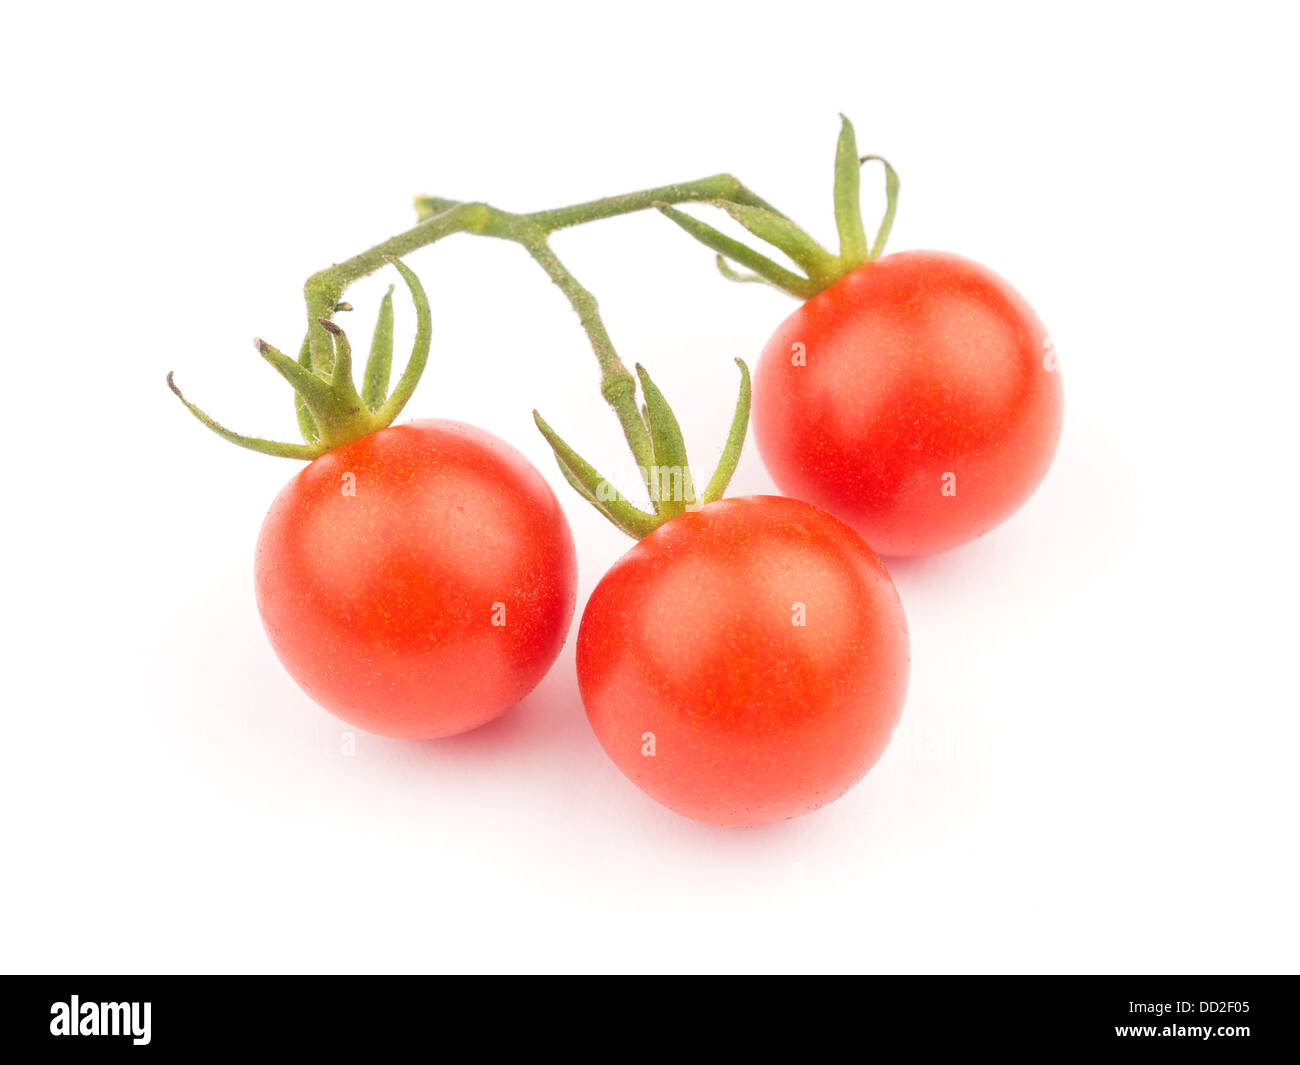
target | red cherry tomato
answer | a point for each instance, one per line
(917, 399)
(745, 662)
(419, 581)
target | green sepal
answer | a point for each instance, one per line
(314, 390)
(735, 444)
(253, 443)
(344, 388)
(392, 406)
(772, 272)
(848, 199)
(594, 488)
(669, 451)
(379, 364)
(731, 274)
(780, 232)
(306, 423)
(891, 203)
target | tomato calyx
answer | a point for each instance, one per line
(331, 411)
(821, 267)
(667, 478)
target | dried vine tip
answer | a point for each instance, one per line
(342, 307)
(330, 327)
(428, 206)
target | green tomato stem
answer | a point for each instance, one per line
(331, 412)
(441, 217)
(616, 384)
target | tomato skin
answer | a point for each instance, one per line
(381, 604)
(691, 637)
(918, 365)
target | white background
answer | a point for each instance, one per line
(1095, 771)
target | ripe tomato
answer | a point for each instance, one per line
(917, 399)
(417, 582)
(745, 662)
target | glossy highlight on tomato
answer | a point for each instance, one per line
(419, 581)
(745, 662)
(917, 398)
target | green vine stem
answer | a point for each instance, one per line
(440, 218)
(331, 411)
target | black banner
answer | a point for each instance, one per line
(141, 1015)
